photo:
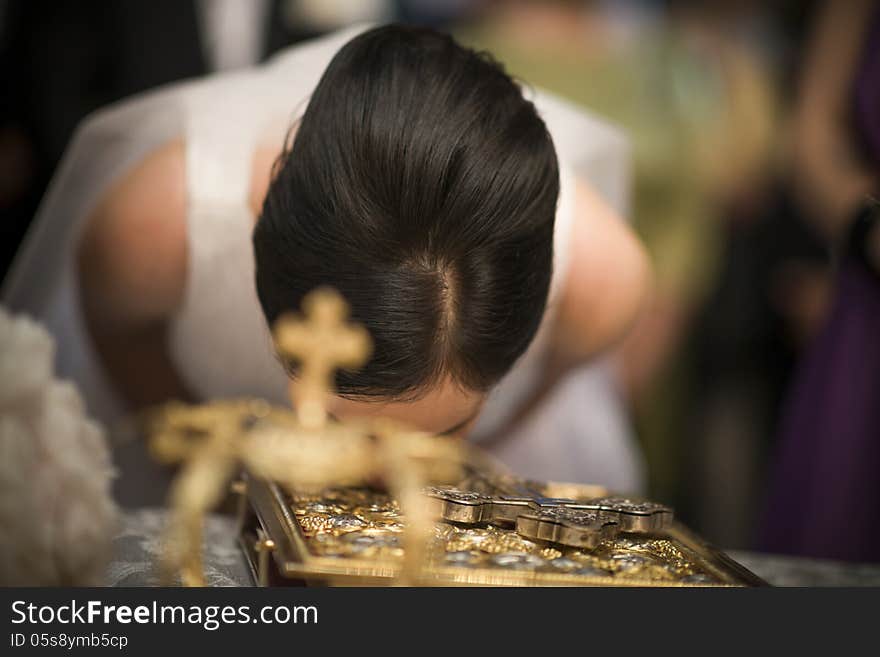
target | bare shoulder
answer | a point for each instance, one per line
(132, 254)
(607, 281)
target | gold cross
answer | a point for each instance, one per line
(214, 440)
(321, 343)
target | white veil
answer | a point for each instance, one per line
(42, 279)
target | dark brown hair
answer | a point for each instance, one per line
(422, 185)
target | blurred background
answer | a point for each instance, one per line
(733, 108)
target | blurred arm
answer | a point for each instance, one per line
(606, 285)
(132, 270)
(829, 176)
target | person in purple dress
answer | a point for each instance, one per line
(824, 493)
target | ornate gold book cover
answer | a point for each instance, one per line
(352, 536)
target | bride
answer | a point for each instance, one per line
(472, 226)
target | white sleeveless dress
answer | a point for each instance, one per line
(219, 340)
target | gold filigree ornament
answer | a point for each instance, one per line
(297, 450)
(352, 536)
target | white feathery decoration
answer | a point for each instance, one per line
(57, 517)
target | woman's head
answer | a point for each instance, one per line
(422, 186)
